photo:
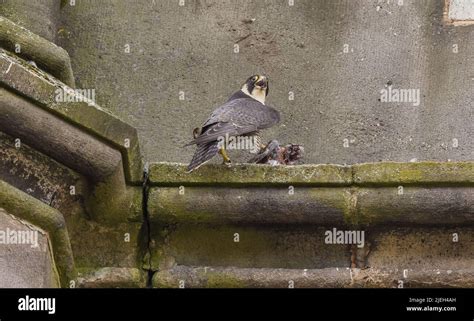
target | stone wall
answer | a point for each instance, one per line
(302, 49)
(105, 181)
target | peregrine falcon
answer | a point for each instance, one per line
(244, 114)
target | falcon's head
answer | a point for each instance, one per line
(256, 87)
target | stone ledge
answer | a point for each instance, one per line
(369, 174)
(175, 174)
(425, 193)
(232, 277)
(418, 173)
(87, 116)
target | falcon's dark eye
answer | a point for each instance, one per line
(254, 78)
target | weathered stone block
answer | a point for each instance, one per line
(26, 260)
(415, 206)
(253, 205)
(47, 218)
(90, 118)
(282, 246)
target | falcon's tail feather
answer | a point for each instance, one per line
(203, 153)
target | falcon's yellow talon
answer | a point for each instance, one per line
(225, 158)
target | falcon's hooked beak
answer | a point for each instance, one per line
(256, 87)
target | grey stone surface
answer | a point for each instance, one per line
(301, 49)
(461, 9)
(23, 265)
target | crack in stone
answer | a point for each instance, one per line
(146, 222)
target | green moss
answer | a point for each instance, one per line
(421, 173)
(95, 245)
(165, 206)
(224, 205)
(223, 280)
(112, 202)
(350, 206)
